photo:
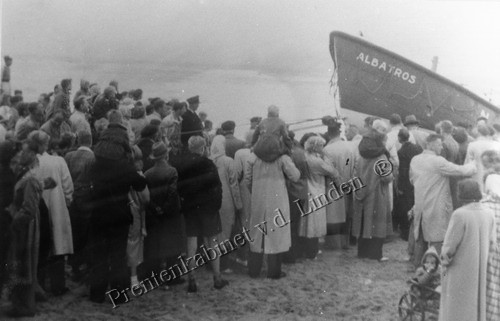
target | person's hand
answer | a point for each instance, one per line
(411, 214)
(144, 232)
(49, 183)
(444, 269)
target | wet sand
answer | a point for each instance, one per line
(335, 286)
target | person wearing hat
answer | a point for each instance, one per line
(166, 238)
(5, 86)
(191, 124)
(429, 174)
(419, 135)
(200, 189)
(233, 144)
(465, 255)
(254, 121)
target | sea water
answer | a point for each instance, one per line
(225, 94)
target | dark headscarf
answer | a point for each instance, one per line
(469, 191)
(372, 145)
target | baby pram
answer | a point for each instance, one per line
(420, 303)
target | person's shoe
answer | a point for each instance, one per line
(176, 281)
(220, 283)
(383, 259)
(192, 288)
(60, 291)
(40, 297)
(282, 275)
(15, 313)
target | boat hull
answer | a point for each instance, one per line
(375, 81)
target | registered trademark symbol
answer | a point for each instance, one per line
(383, 167)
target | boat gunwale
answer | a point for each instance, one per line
(415, 65)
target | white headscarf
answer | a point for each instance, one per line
(218, 147)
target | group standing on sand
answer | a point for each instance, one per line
(119, 188)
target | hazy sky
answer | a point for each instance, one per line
(266, 35)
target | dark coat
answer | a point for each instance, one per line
(270, 139)
(166, 234)
(199, 184)
(190, 126)
(146, 147)
(102, 106)
(111, 183)
(405, 155)
(113, 143)
(233, 144)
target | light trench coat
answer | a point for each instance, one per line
(465, 256)
(342, 156)
(231, 198)
(314, 224)
(57, 200)
(429, 174)
(269, 195)
(241, 164)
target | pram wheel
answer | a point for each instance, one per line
(410, 308)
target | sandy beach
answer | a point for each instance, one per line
(335, 286)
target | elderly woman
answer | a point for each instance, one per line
(372, 215)
(313, 224)
(491, 163)
(25, 236)
(464, 257)
(231, 198)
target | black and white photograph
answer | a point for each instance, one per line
(250, 160)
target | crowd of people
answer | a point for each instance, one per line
(119, 189)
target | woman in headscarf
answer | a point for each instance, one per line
(231, 197)
(372, 216)
(464, 257)
(25, 237)
(313, 224)
(491, 163)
